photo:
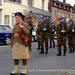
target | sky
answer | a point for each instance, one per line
(72, 2)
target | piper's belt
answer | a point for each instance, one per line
(16, 34)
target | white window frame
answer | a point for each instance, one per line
(67, 8)
(54, 3)
(59, 5)
(13, 20)
(63, 6)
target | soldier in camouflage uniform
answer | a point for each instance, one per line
(62, 36)
(44, 29)
(70, 36)
(30, 32)
(38, 33)
(51, 35)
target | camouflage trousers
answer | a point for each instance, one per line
(52, 39)
(38, 40)
(44, 38)
(74, 40)
(62, 39)
(70, 41)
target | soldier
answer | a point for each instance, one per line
(62, 36)
(51, 33)
(30, 32)
(19, 43)
(38, 33)
(44, 34)
(70, 36)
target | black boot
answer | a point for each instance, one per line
(64, 53)
(14, 74)
(50, 46)
(46, 52)
(59, 54)
(70, 50)
(54, 45)
(38, 48)
(22, 74)
(73, 50)
(42, 51)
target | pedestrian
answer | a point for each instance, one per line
(19, 44)
(44, 30)
(30, 23)
(71, 36)
(38, 33)
(62, 36)
(52, 35)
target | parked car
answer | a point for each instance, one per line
(5, 34)
(34, 37)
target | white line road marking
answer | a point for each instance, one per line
(5, 46)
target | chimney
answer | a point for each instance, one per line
(64, 1)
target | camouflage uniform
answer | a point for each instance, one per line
(38, 39)
(44, 37)
(62, 38)
(51, 36)
(30, 35)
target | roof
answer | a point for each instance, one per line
(66, 4)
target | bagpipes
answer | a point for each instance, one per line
(29, 25)
(22, 36)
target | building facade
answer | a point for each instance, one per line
(61, 9)
(9, 7)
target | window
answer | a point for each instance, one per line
(1, 28)
(55, 13)
(54, 3)
(59, 5)
(63, 15)
(63, 6)
(67, 15)
(6, 21)
(17, 1)
(30, 2)
(42, 4)
(0, 2)
(13, 19)
(67, 8)
(7, 29)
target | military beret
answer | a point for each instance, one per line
(52, 23)
(44, 16)
(61, 18)
(39, 21)
(71, 20)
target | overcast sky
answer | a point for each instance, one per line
(72, 2)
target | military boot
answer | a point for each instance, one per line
(70, 50)
(73, 50)
(64, 53)
(16, 71)
(54, 45)
(46, 52)
(50, 46)
(24, 72)
(42, 51)
(59, 54)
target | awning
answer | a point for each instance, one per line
(39, 11)
(36, 15)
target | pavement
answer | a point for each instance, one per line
(44, 64)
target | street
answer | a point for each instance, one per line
(38, 62)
